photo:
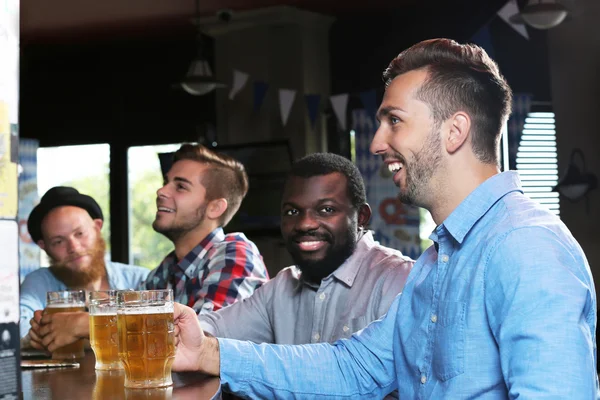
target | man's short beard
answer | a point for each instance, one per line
(315, 271)
(79, 279)
(421, 169)
(174, 233)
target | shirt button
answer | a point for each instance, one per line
(346, 329)
(322, 296)
(434, 318)
(445, 258)
(423, 379)
(316, 336)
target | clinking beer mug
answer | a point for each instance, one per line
(146, 337)
(103, 329)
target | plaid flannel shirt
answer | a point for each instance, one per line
(221, 270)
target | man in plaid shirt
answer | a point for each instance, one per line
(208, 269)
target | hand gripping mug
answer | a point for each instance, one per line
(66, 301)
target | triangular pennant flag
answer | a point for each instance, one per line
(260, 90)
(483, 38)
(369, 101)
(339, 102)
(286, 100)
(239, 81)
(312, 103)
(511, 8)
(364, 122)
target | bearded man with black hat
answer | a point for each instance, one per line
(66, 225)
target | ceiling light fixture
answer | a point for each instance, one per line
(541, 14)
(576, 183)
(199, 79)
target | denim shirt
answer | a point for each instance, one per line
(505, 308)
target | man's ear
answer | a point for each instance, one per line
(364, 215)
(216, 208)
(41, 244)
(459, 131)
(98, 223)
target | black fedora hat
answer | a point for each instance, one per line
(56, 197)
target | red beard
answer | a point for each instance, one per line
(76, 279)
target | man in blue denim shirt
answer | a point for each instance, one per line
(502, 306)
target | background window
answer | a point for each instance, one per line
(83, 167)
(147, 248)
(537, 162)
(353, 146)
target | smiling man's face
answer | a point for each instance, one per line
(408, 139)
(72, 240)
(181, 202)
(318, 223)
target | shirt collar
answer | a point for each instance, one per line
(477, 203)
(112, 280)
(197, 252)
(347, 272)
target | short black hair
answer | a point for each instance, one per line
(317, 164)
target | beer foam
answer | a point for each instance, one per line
(100, 312)
(165, 308)
(65, 305)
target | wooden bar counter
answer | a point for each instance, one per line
(85, 383)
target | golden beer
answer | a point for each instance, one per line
(104, 341)
(146, 338)
(66, 301)
(103, 329)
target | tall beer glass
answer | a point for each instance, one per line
(66, 301)
(103, 329)
(146, 337)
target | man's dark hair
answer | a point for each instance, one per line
(318, 164)
(460, 77)
(226, 178)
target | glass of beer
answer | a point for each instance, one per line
(103, 329)
(66, 301)
(146, 337)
